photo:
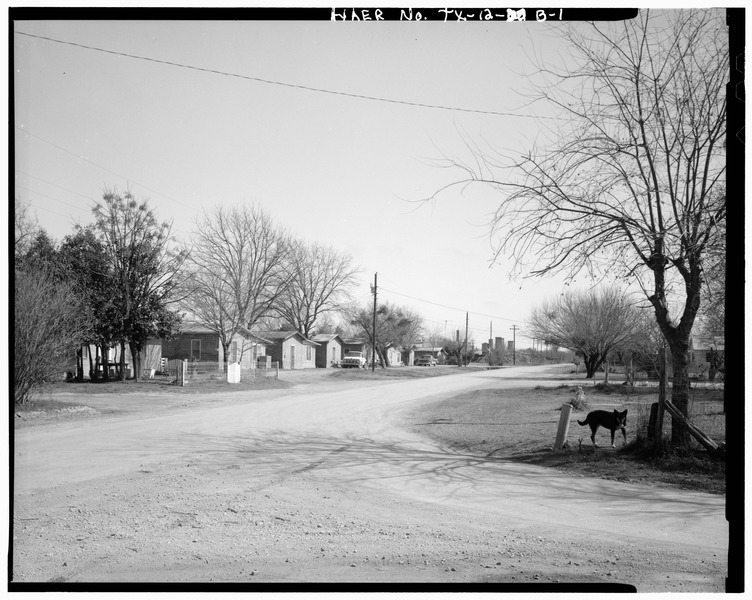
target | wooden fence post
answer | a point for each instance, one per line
(561, 435)
(651, 423)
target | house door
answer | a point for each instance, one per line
(292, 357)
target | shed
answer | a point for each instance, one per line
(437, 353)
(357, 345)
(290, 349)
(329, 351)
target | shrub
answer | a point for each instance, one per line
(578, 401)
(49, 323)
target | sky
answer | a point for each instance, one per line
(329, 167)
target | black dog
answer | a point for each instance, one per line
(610, 420)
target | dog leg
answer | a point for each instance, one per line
(613, 432)
(594, 430)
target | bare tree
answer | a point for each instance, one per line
(631, 183)
(435, 337)
(237, 270)
(593, 323)
(26, 227)
(320, 279)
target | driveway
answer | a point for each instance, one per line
(324, 484)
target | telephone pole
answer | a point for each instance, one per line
(464, 347)
(373, 351)
(514, 343)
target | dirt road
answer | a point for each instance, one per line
(327, 483)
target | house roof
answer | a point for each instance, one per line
(199, 328)
(354, 341)
(281, 336)
(429, 349)
(325, 337)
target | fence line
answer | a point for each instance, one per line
(216, 371)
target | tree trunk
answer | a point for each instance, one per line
(135, 360)
(225, 348)
(630, 373)
(380, 355)
(591, 366)
(91, 361)
(102, 351)
(680, 392)
(121, 373)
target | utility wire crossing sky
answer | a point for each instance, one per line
(335, 129)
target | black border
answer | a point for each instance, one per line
(734, 266)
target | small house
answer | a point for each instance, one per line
(290, 349)
(198, 343)
(329, 350)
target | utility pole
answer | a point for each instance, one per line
(514, 344)
(373, 352)
(464, 346)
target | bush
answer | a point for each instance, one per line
(49, 322)
(578, 401)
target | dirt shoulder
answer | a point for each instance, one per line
(521, 425)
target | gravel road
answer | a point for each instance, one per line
(327, 482)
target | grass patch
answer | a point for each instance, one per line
(43, 405)
(522, 424)
(163, 385)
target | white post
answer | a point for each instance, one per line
(182, 368)
(233, 373)
(561, 436)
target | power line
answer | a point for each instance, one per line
(281, 83)
(54, 184)
(450, 307)
(21, 187)
(91, 162)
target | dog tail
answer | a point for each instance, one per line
(582, 422)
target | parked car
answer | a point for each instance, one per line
(426, 360)
(353, 360)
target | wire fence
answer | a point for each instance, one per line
(197, 371)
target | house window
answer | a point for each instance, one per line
(195, 349)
